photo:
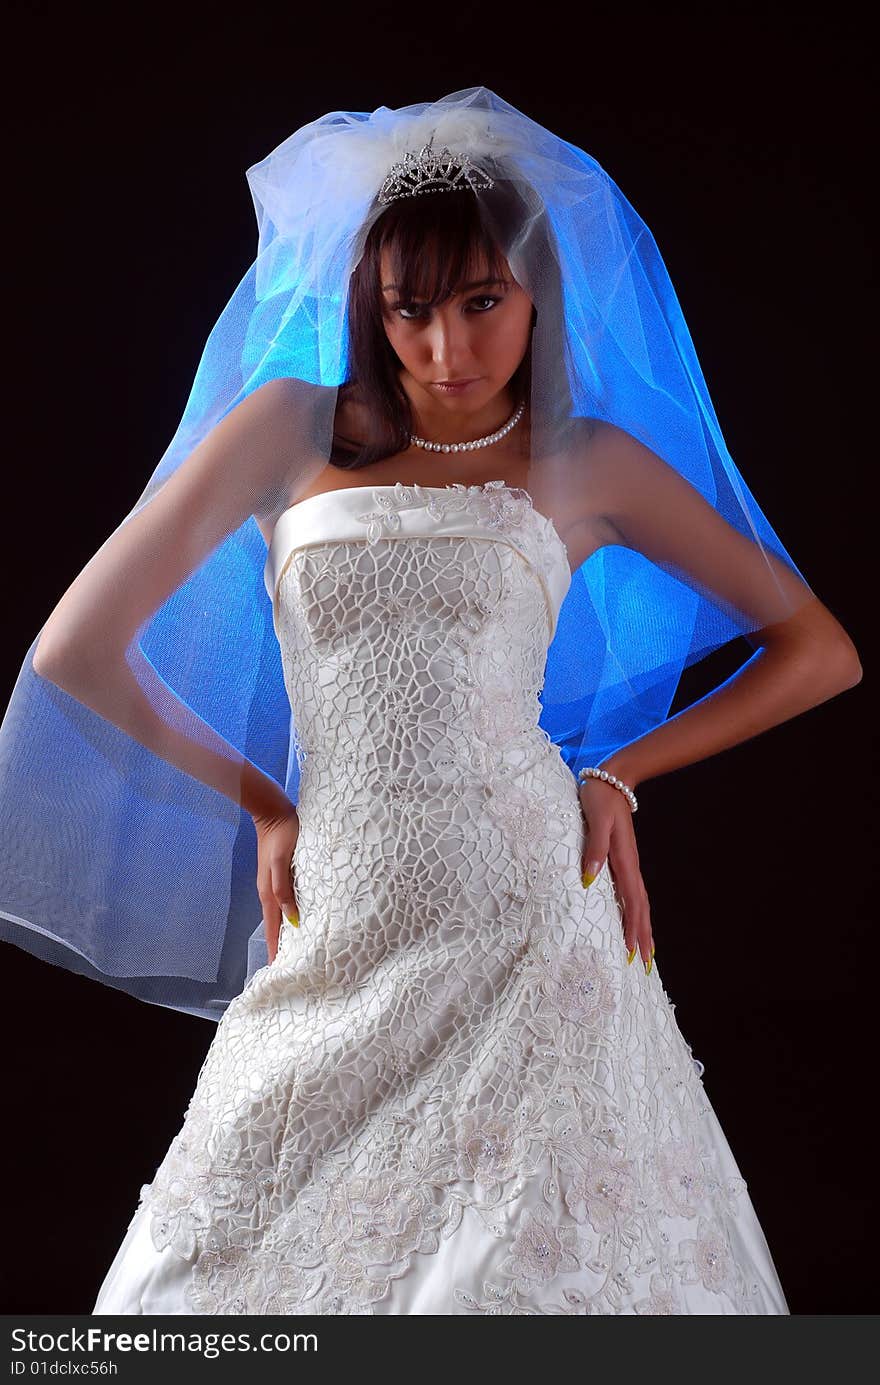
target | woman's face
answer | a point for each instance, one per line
(479, 335)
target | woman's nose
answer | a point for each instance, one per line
(449, 342)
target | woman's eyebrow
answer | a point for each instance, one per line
(474, 284)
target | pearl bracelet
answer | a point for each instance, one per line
(593, 773)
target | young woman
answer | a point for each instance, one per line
(498, 518)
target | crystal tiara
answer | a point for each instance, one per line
(428, 171)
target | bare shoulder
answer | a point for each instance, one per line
(289, 396)
(287, 407)
(292, 416)
(619, 460)
(316, 413)
(577, 491)
(607, 445)
(620, 472)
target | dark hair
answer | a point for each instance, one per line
(435, 243)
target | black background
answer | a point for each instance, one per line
(742, 139)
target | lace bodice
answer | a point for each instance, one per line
(474, 607)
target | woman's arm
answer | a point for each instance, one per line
(802, 662)
(88, 646)
(803, 655)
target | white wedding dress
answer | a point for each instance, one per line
(448, 1093)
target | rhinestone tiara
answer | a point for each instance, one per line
(429, 171)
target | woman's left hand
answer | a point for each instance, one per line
(610, 835)
(277, 836)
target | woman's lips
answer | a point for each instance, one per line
(454, 386)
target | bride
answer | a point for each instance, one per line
(496, 519)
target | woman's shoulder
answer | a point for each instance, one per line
(351, 422)
(293, 394)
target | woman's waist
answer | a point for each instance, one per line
(450, 766)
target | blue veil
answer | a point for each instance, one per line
(118, 864)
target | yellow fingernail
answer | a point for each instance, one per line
(630, 956)
(293, 921)
(588, 879)
(653, 949)
(648, 965)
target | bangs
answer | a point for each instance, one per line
(436, 245)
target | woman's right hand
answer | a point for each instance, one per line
(276, 839)
(610, 837)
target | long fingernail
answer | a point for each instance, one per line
(648, 966)
(591, 873)
(629, 957)
(294, 920)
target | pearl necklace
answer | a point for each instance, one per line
(477, 442)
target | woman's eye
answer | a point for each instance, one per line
(411, 312)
